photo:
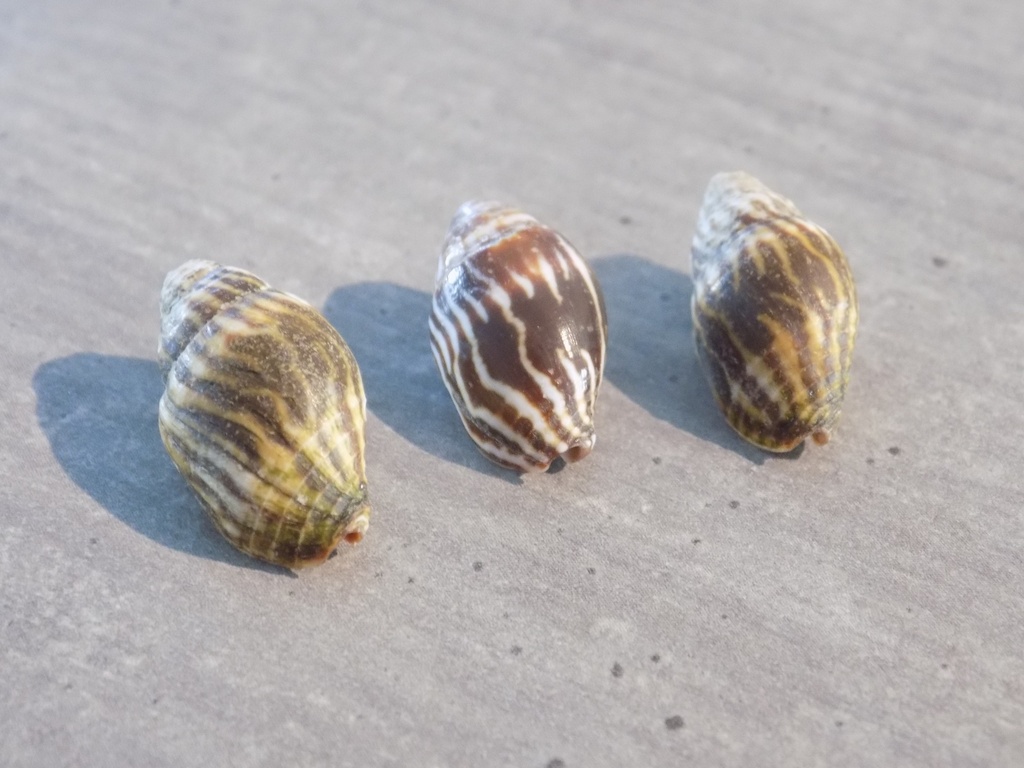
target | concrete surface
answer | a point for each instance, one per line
(676, 599)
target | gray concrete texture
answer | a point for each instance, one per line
(679, 598)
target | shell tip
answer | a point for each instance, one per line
(473, 208)
(476, 224)
(179, 281)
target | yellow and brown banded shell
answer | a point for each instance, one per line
(774, 314)
(518, 331)
(263, 414)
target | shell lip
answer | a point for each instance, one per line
(579, 449)
(576, 451)
(819, 435)
(354, 531)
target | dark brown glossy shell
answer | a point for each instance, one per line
(518, 331)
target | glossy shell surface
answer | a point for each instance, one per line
(774, 314)
(263, 413)
(518, 331)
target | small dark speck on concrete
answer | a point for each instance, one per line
(411, 580)
(895, 450)
(910, 610)
(940, 262)
(870, 460)
(725, 615)
(656, 658)
(839, 723)
(673, 378)
(291, 593)
(617, 670)
(556, 762)
(504, 615)
(561, 530)
(625, 220)
(666, 296)
(696, 541)
(478, 566)
(156, 700)
(674, 723)
(734, 504)
(944, 665)
(378, 574)
(383, 310)
(592, 571)
(516, 650)
(94, 541)
(656, 459)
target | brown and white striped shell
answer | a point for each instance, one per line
(263, 414)
(774, 314)
(518, 331)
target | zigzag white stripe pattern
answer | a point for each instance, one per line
(544, 381)
(484, 415)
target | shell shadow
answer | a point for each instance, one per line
(651, 357)
(385, 325)
(99, 413)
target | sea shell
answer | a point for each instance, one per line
(774, 314)
(263, 414)
(519, 333)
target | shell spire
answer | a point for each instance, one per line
(774, 314)
(263, 414)
(518, 331)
